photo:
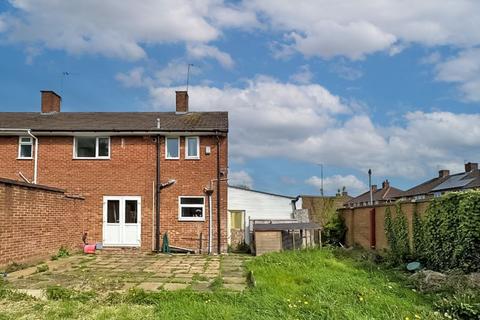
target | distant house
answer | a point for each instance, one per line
(445, 182)
(246, 205)
(384, 195)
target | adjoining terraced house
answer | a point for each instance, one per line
(142, 174)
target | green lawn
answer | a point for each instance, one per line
(292, 285)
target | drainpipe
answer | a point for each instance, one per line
(373, 220)
(157, 199)
(219, 229)
(29, 132)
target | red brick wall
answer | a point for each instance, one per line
(130, 171)
(35, 223)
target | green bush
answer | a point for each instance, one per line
(417, 239)
(451, 232)
(334, 230)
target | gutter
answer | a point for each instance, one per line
(29, 132)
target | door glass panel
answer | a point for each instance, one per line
(236, 218)
(113, 211)
(131, 211)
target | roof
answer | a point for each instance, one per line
(460, 181)
(115, 121)
(284, 226)
(425, 187)
(262, 192)
(384, 194)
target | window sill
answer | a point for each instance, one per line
(191, 219)
(90, 158)
(172, 158)
(24, 158)
(192, 158)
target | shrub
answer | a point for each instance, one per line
(451, 237)
(417, 239)
(334, 230)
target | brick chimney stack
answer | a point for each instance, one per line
(374, 188)
(471, 166)
(443, 173)
(50, 101)
(385, 184)
(181, 101)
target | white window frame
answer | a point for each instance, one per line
(20, 144)
(96, 148)
(166, 148)
(198, 148)
(180, 206)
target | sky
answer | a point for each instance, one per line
(345, 85)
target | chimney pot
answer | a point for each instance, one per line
(385, 184)
(181, 101)
(51, 101)
(443, 173)
(471, 166)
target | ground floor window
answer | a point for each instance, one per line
(191, 208)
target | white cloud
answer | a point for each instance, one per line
(303, 76)
(355, 28)
(345, 71)
(240, 178)
(269, 118)
(200, 51)
(119, 28)
(132, 79)
(463, 69)
(331, 184)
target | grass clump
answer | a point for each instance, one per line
(58, 293)
(62, 253)
(42, 268)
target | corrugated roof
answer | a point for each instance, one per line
(115, 121)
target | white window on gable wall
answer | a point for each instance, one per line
(172, 148)
(192, 148)
(25, 147)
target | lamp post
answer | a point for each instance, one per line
(370, 185)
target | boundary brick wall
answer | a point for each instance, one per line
(35, 221)
(359, 226)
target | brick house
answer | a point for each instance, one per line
(142, 174)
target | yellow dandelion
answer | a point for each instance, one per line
(306, 302)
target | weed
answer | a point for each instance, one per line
(217, 283)
(14, 266)
(65, 294)
(42, 268)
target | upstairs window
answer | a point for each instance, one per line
(192, 148)
(172, 148)
(25, 148)
(92, 148)
(191, 208)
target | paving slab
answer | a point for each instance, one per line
(150, 286)
(175, 286)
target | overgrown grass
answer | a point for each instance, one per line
(311, 284)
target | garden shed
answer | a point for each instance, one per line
(274, 237)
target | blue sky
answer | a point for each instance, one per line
(384, 85)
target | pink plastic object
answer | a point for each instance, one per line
(89, 248)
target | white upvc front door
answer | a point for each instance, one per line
(122, 221)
